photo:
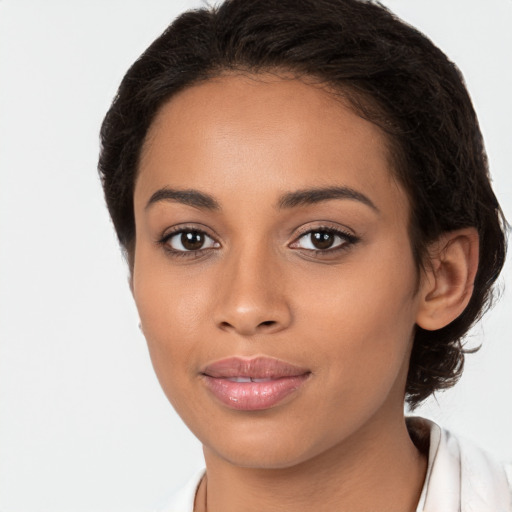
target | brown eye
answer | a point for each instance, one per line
(326, 240)
(322, 239)
(190, 240)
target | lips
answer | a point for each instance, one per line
(253, 384)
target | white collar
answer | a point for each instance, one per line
(461, 477)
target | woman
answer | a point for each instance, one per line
(302, 194)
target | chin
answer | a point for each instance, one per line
(263, 445)
(272, 456)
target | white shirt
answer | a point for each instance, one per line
(460, 478)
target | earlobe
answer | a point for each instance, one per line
(449, 278)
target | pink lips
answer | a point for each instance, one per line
(253, 384)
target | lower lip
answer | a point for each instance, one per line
(254, 396)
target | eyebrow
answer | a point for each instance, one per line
(305, 197)
(189, 197)
(316, 195)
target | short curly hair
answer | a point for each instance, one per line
(391, 74)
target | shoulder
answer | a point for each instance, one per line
(182, 499)
(461, 476)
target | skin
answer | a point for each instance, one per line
(257, 287)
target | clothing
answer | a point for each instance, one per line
(460, 477)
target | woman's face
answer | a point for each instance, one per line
(273, 271)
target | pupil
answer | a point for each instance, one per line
(322, 239)
(192, 240)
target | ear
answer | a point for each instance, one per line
(448, 280)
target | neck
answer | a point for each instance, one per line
(378, 468)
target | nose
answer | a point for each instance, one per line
(251, 296)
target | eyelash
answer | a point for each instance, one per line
(164, 242)
(349, 240)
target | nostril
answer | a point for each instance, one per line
(268, 324)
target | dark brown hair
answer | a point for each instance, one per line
(390, 74)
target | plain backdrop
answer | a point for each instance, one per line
(84, 425)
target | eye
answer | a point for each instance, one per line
(189, 240)
(324, 240)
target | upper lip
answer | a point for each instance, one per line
(254, 368)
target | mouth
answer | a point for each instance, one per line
(253, 384)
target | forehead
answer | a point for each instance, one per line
(260, 135)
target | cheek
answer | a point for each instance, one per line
(172, 307)
(363, 317)
(168, 299)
